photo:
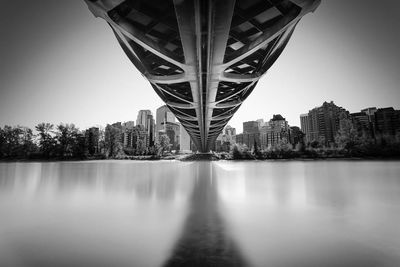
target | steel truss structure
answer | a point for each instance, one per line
(203, 57)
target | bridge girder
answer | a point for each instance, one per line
(203, 57)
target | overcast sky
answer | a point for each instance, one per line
(60, 64)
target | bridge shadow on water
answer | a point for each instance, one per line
(204, 240)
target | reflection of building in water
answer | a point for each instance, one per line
(204, 241)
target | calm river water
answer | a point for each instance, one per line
(129, 213)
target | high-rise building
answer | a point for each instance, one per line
(261, 123)
(184, 140)
(141, 138)
(128, 125)
(92, 140)
(323, 122)
(127, 128)
(381, 123)
(369, 111)
(117, 125)
(250, 127)
(225, 139)
(128, 138)
(163, 115)
(387, 122)
(251, 134)
(239, 139)
(275, 131)
(305, 126)
(172, 130)
(230, 134)
(279, 122)
(150, 129)
(364, 121)
(142, 118)
(229, 130)
(251, 139)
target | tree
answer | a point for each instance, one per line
(153, 149)
(236, 151)
(102, 142)
(46, 140)
(300, 147)
(16, 142)
(256, 151)
(140, 147)
(79, 145)
(2, 142)
(67, 136)
(315, 144)
(28, 145)
(347, 136)
(164, 144)
(12, 141)
(112, 137)
(240, 151)
(283, 145)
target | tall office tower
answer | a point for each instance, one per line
(250, 127)
(163, 114)
(251, 134)
(203, 57)
(184, 140)
(150, 129)
(305, 126)
(142, 118)
(324, 121)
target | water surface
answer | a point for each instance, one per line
(128, 213)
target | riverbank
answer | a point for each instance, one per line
(206, 157)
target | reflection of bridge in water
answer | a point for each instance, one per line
(203, 57)
(204, 240)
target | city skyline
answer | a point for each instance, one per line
(65, 76)
(239, 127)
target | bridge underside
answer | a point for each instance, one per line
(202, 57)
